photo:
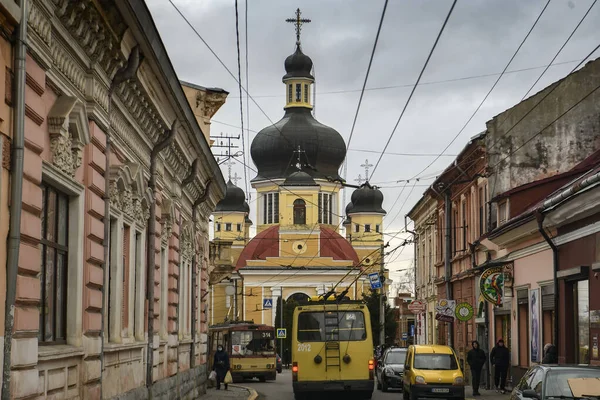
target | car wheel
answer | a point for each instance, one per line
(378, 384)
(384, 386)
(262, 379)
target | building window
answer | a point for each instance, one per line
(164, 291)
(377, 228)
(502, 212)
(271, 208)
(290, 93)
(306, 93)
(218, 227)
(137, 285)
(55, 223)
(299, 212)
(111, 271)
(367, 228)
(455, 220)
(228, 227)
(356, 228)
(325, 208)
(239, 227)
(185, 298)
(298, 92)
(465, 234)
(481, 212)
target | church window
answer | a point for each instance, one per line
(228, 227)
(239, 227)
(218, 227)
(271, 208)
(290, 93)
(325, 208)
(367, 228)
(306, 93)
(356, 228)
(298, 92)
(299, 212)
(377, 228)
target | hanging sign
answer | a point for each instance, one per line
(444, 310)
(416, 307)
(491, 285)
(464, 311)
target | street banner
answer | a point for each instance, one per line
(444, 310)
(491, 285)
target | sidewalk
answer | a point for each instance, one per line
(485, 394)
(234, 392)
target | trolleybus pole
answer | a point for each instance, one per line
(381, 301)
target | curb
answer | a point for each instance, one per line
(253, 394)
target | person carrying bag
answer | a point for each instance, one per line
(221, 367)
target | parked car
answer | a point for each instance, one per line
(390, 369)
(542, 382)
(432, 371)
(279, 364)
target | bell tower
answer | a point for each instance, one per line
(298, 78)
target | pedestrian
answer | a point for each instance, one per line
(221, 365)
(500, 358)
(550, 354)
(476, 360)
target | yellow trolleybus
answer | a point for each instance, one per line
(332, 349)
(251, 349)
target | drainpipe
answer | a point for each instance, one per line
(16, 196)
(414, 262)
(447, 265)
(195, 206)
(162, 144)
(540, 220)
(123, 74)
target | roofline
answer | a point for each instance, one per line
(208, 89)
(139, 12)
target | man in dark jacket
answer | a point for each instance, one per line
(221, 365)
(500, 358)
(476, 360)
(550, 354)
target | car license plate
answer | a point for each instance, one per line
(439, 390)
(334, 386)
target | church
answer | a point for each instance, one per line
(298, 251)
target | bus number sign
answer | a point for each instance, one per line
(267, 335)
(304, 347)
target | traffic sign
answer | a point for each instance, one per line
(404, 336)
(375, 281)
(281, 333)
(416, 307)
(267, 303)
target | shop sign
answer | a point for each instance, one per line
(491, 285)
(444, 310)
(464, 311)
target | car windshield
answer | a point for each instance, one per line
(246, 343)
(557, 381)
(435, 362)
(395, 357)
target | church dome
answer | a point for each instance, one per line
(298, 65)
(366, 199)
(323, 148)
(299, 178)
(234, 201)
(247, 211)
(347, 221)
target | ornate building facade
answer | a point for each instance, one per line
(111, 279)
(298, 251)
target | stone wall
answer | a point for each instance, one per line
(187, 385)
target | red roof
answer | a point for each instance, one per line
(266, 244)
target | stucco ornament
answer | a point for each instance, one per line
(127, 206)
(115, 196)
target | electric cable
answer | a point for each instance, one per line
(237, 36)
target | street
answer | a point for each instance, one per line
(281, 389)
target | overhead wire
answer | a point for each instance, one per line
(345, 173)
(489, 91)
(414, 87)
(247, 155)
(239, 64)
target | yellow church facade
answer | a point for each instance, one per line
(298, 250)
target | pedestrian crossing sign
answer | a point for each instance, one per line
(281, 333)
(267, 303)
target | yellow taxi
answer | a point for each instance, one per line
(432, 371)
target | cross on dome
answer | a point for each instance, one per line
(360, 180)
(298, 22)
(366, 166)
(235, 178)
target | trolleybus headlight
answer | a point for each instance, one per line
(420, 380)
(347, 359)
(459, 381)
(318, 359)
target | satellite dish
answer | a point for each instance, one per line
(229, 290)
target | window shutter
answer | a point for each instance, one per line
(522, 296)
(548, 297)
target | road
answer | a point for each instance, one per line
(281, 389)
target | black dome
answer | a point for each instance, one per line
(348, 211)
(234, 200)
(247, 219)
(298, 65)
(273, 147)
(366, 199)
(299, 178)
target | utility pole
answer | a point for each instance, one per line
(381, 301)
(447, 264)
(227, 143)
(281, 323)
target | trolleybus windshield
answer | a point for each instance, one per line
(331, 325)
(249, 342)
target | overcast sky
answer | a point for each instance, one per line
(479, 39)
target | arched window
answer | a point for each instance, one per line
(299, 212)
